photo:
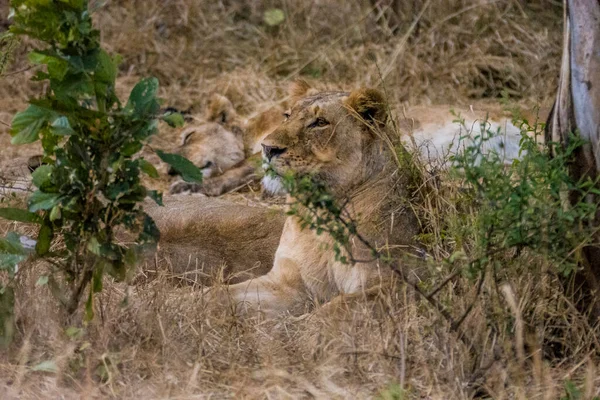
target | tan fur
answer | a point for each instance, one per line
(355, 165)
(261, 126)
(211, 147)
(202, 235)
(221, 110)
(251, 134)
(300, 89)
(232, 168)
(437, 133)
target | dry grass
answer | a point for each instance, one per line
(168, 343)
(526, 338)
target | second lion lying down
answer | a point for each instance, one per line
(338, 138)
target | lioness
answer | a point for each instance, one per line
(203, 239)
(226, 147)
(443, 130)
(434, 129)
(338, 137)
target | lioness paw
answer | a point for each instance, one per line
(213, 187)
(180, 187)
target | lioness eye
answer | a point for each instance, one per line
(286, 115)
(319, 122)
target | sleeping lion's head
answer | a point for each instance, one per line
(211, 147)
(333, 135)
(216, 144)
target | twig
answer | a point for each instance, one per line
(19, 71)
(365, 352)
(439, 308)
(443, 283)
(393, 264)
(460, 320)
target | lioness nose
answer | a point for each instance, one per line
(272, 151)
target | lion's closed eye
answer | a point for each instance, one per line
(318, 123)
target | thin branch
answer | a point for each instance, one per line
(439, 308)
(460, 320)
(365, 352)
(19, 71)
(443, 283)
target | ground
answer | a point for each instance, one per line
(398, 346)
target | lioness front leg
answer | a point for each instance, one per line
(281, 290)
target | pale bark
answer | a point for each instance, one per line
(577, 110)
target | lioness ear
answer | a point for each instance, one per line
(220, 109)
(370, 104)
(300, 89)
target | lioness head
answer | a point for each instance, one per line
(211, 147)
(330, 134)
(216, 145)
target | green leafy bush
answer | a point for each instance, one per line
(89, 187)
(525, 205)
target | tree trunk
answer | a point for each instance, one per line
(577, 110)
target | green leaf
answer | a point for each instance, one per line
(156, 196)
(43, 201)
(188, 171)
(117, 270)
(44, 240)
(11, 244)
(104, 250)
(94, 246)
(10, 262)
(131, 148)
(7, 316)
(150, 233)
(174, 120)
(131, 257)
(57, 67)
(106, 70)
(97, 277)
(148, 168)
(74, 88)
(142, 100)
(17, 214)
(56, 213)
(274, 16)
(61, 127)
(89, 307)
(27, 124)
(42, 176)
